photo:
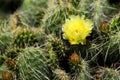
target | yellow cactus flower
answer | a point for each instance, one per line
(76, 29)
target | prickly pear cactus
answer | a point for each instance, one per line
(60, 75)
(99, 12)
(110, 49)
(115, 23)
(28, 38)
(38, 17)
(110, 74)
(25, 38)
(60, 40)
(5, 41)
(57, 12)
(57, 52)
(33, 65)
(79, 67)
(58, 46)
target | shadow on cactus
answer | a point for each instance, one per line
(57, 53)
(2, 59)
(13, 53)
(111, 49)
(109, 43)
(106, 52)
